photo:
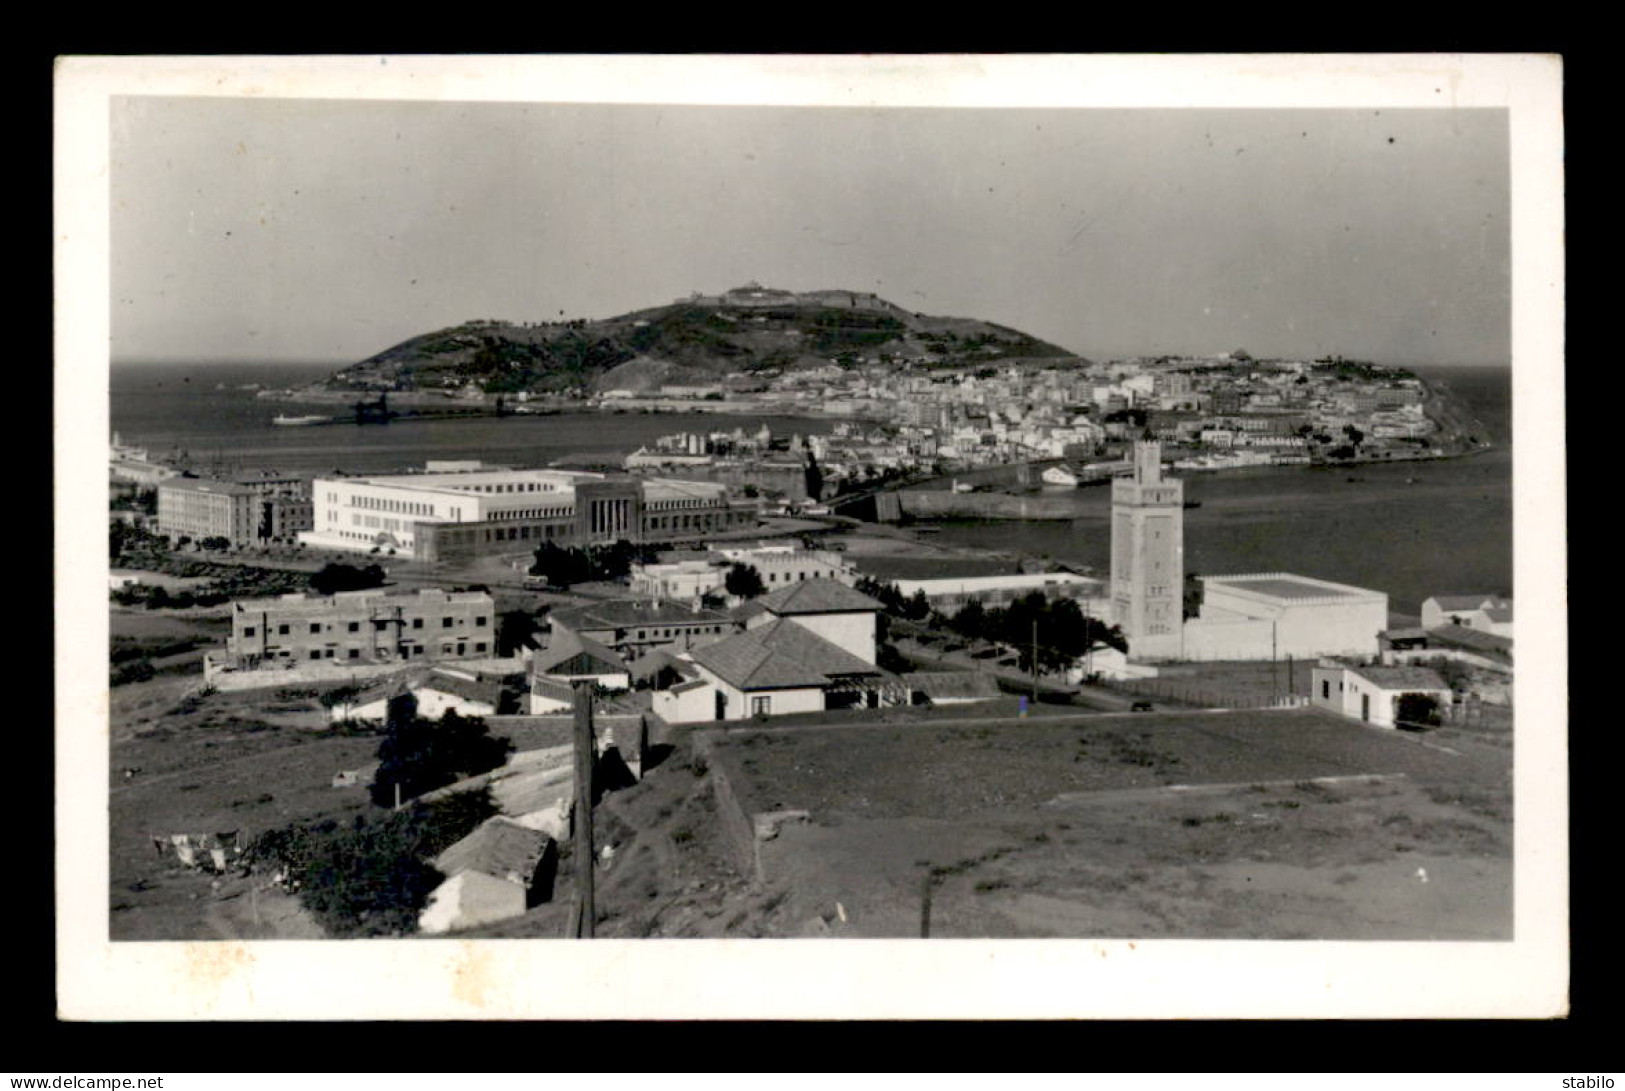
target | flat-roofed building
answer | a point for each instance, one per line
(1276, 615)
(467, 514)
(781, 565)
(1374, 694)
(953, 593)
(199, 508)
(362, 626)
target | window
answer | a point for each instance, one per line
(315, 627)
(480, 621)
(761, 706)
(355, 653)
(355, 626)
(417, 623)
(479, 647)
(1325, 688)
(248, 630)
(445, 623)
(316, 654)
(282, 629)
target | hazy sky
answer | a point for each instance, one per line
(249, 229)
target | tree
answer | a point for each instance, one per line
(1356, 437)
(970, 620)
(744, 580)
(420, 755)
(373, 876)
(1417, 708)
(815, 478)
(334, 578)
(515, 628)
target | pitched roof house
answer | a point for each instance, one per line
(569, 656)
(496, 872)
(783, 666)
(1373, 694)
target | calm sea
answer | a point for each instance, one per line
(1412, 530)
(206, 412)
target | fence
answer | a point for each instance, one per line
(1207, 693)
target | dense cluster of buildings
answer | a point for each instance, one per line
(1220, 413)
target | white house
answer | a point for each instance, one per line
(495, 873)
(841, 615)
(1372, 694)
(783, 667)
(1485, 613)
(436, 693)
(568, 658)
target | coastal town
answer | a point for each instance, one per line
(679, 695)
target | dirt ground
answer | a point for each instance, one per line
(1279, 825)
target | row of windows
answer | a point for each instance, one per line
(657, 634)
(378, 625)
(521, 486)
(535, 513)
(407, 651)
(402, 507)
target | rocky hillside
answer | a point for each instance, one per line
(697, 341)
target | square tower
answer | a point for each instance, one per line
(1148, 557)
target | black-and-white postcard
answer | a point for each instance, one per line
(811, 536)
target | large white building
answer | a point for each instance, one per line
(1279, 615)
(1265, 615)
(479, 512)
(952, 593)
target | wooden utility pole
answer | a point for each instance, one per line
(925, 905)
(1035, 661)
(584, 754)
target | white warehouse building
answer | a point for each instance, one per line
(1276, 615)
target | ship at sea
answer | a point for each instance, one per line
(286, 421)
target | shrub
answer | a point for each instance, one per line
(372, 877)
(420, 755)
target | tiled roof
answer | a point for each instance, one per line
(466, 688)
(1466, 637)
(566, 645)
(622, 613)
(817, 596)
(1401, 677)
(953, 683)
(499, 848)
(559, 691)
(780, 654)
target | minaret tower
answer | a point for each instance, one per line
(1148, 557)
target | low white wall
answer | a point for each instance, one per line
(228, 681)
